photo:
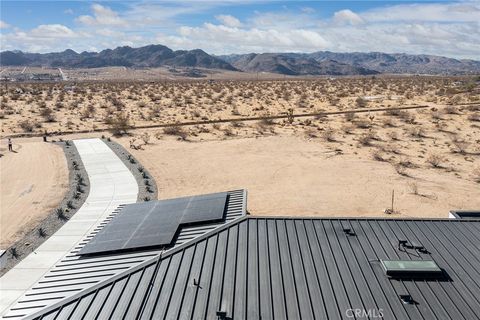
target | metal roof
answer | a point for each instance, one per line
(75, 273)
(295, 268)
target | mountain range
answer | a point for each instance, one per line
(316, 63)
(148, 56)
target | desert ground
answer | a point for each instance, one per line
(34, 180)
(294, 175)
(52, 107)
(128, 73)
(329, 165)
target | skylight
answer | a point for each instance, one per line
(412, 268)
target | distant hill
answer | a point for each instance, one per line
(148, 56)
(359, 63)
(294, 65)
(317, 63)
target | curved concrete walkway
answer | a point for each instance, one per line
(111, 184)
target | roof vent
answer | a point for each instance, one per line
(222, 315)
(407, 299)
(349, 231)
(412, 269)
(402, 244)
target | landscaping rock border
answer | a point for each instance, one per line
(147, 187)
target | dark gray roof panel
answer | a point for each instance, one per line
(155, 223)
(299, 268)
(76, 273)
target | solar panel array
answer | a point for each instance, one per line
(155, 223)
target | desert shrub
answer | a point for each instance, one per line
(361, 102)
(474, 108)
(417, 132)
(120, 123)
(237, 124)
(267, 122)
(436, 115)
(366, 139)
(61, 214)
(451, 110)
(350, 116)
(393, 112)
(89, 111)
(476, 175)
(42, 233)
(363, 124)
(401, 170)
(407, 117)
(145, 137)
(348, 128)
(474, 117)
(460, 145)
(27, 125)
(175, 131)
(47, 114)
(393, 135)
(388, 122)
(228, 132)
(311, 133)
(377, 155)
(328, 134)
(455, 99)
(435, 160)
(14, 252)
(413, 186)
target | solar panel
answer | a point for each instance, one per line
(155, 223)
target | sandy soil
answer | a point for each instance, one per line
(34, 180)
(342, 165)
(289, 175)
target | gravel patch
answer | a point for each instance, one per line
(147, 188)
(79, 187)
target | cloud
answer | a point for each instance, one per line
(52, 31)
(4, 25)
(227, 39)
(101, 16)
(283, 20)
(307, 10)
(228, 20)
(68, 11)
(450, 29)
(42, 38)
(426, 12)
(347, 17)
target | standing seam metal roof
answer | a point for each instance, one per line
(294, 268)
(76, 273)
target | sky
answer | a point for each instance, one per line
(447, 28)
